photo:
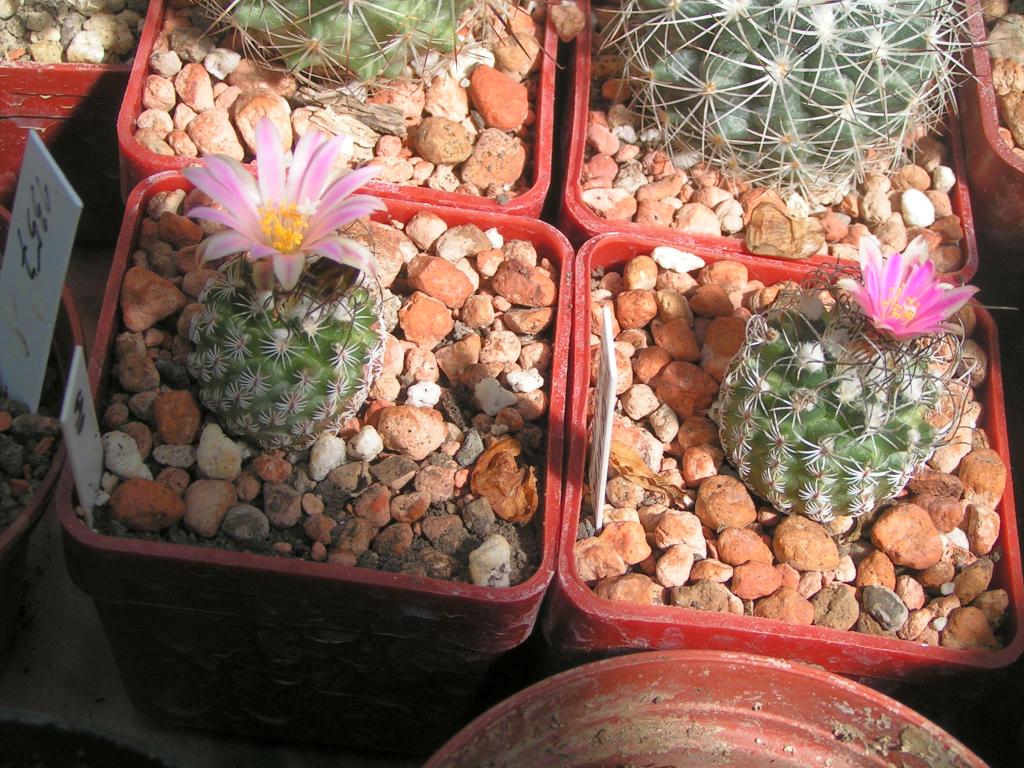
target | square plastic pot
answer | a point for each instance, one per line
(293, 649)
(579, 626)
(137, 163)
(996, 174)
(73, 106)
(14, 538)
(579, 222)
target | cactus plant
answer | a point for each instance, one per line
(801, 95)
(290, 338)
(342, 39)
(826, 411)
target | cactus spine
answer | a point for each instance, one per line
(801, 94)
(823, 417)
(281, 370)
(339, 40)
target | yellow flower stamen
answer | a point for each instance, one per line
(284, 227)
(900, 308)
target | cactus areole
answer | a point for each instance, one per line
(826, 410)
(290, 337)
(799, 95)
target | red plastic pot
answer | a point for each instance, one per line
(73, 106)
(137, 162)
(293, 649)
(579, 626)
(14, 538)
(579, 222)
(691, 709)
(995, 172)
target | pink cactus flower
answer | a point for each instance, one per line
(289, 214)
(900, 295)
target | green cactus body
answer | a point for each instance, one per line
(362, 38)
(822, 418)
(803, 94)
(280, 376)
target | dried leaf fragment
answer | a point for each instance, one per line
(773, 232)
(630, 465)
(511, 490)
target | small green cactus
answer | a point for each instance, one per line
(281, 372)
(823, 417)
(344, 39)
(799, 95)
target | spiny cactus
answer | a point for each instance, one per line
(799, 95)
(822, 416)
(343, 39)
(280, 373)
(291, 336)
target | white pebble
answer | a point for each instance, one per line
(683, 160)
(468, 59)
(366, 444)
(957, 537)
(529, 380)
(423, 394)
(947, 589)
(730, 214)
(918, 210)
(121, 456)
(625, 132)
(181, 456)
(492, 397)
(676, 260)
(647, 135)
(943, 178)
(846, 571)
(8, 8)
(938, 623)
(491, 563)
(797, 206)
(86, 48)
(221, 62)
(218, 456)
(114, 36)
(165, 63)
(328, 454)
(494, 237)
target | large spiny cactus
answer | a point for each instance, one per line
(339, 40)
(800, 94)
(824, 417)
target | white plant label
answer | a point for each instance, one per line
(43, 223)
(81, 432)
(604, 409)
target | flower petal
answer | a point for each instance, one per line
(269, 162)
(341, 216)
(229, 220)
(304, 150)
(318, 172)
(345, 251)
(229, 184)
(917, 250)
(222, 244)
(288, 268)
